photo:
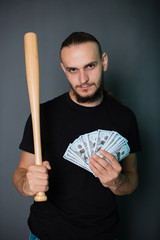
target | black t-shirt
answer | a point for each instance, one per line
(78, 206)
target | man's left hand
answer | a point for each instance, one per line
(109, 174)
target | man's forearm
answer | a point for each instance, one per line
(19, 179)
(125, 184)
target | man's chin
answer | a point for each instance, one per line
(90, 95)
(88, 98)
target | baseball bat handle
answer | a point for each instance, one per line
(32, 74)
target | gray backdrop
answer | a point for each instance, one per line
(129, 32)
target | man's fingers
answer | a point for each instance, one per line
(37, 179)
(37, 175)
(38, 188)
(106, 154)
(113, 161)
(106, 165)
(40, 168)
(94, 169)
(100, 161)
(47, 165)
(97, 165)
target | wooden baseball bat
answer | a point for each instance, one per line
(32, 73)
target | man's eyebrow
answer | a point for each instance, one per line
(70, 68)
(90, 63)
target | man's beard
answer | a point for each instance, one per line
(92, 98)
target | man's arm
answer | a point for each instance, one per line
(121, 178)
(30, 178)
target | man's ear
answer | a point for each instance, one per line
(105, 61)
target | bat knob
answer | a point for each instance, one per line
(40, 197)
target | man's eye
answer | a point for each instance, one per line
(90, 66)
(72, 70)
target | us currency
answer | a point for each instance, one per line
(112, 137)
(72, 157)
(90, 139)
(79, 149)
(102, 138)
(117, 140)
(70, 154)
(78, 163)
(120, 152)
(85, 141)
(84, 146)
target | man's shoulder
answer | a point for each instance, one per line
(61, 99)
(119, 108)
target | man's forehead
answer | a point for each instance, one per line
(80, 53)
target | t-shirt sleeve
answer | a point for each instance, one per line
(133, 135)
(27, 140)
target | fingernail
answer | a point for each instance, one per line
(101, 151)
(48, 166)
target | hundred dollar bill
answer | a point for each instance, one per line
(113, 135)
(115, 141)
(79, 149)
(70, 156)
(85, 141)
(120, 152)
(102, 138)
(92, 138)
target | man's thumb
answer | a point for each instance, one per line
(47, 165)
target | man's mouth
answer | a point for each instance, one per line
(85, 87)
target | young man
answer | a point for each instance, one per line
(79, 205)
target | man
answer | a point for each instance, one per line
(79, 205)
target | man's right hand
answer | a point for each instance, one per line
(36, 179)
(30, 178)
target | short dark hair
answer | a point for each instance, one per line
(80, 37)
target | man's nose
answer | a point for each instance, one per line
(83, 77)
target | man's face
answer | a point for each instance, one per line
(84, 68)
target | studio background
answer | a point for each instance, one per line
(129, 32)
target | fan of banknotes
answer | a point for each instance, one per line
(85, 145)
